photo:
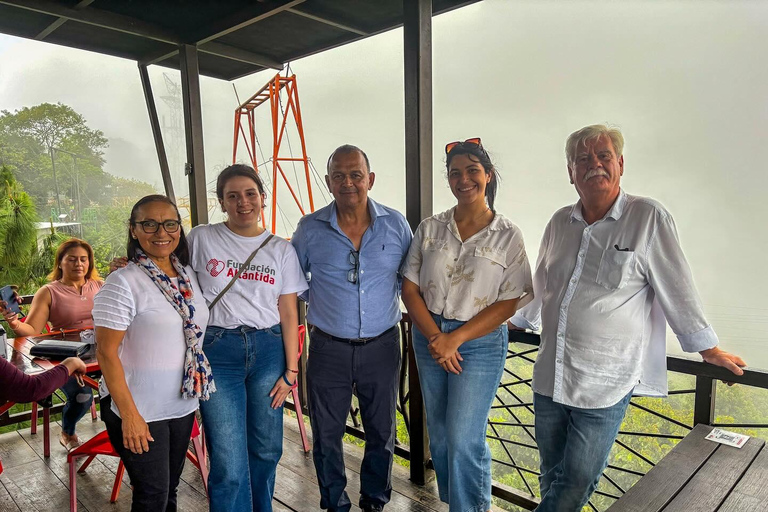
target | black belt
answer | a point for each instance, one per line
(354, 341)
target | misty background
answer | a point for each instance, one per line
(684, 80)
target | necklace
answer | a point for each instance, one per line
(473, 219)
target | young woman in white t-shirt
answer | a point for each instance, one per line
(465, 274)
(251, 342)
(150, 320)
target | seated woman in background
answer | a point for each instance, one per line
(66, 302)
(150, 319)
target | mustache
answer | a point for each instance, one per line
(596, 172)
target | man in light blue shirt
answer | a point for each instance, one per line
(351, 251)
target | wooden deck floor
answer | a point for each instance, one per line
(31, 483)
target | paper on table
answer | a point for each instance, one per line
(725, 437)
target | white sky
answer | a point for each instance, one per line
(685, 80)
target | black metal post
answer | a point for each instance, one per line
(154, 122)
(417, 42)
(704, 402)
(193, 127)
(417, 49)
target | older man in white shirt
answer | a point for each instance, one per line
(610, 272)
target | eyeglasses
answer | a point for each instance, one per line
(354, 260)
(151, 226)
(474, 141)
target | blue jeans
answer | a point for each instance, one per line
(457, 408)
(79, 400)
(244, 434)
(574, 445)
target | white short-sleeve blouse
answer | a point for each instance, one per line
(459, 279)
(153, 349)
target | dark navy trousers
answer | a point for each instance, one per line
(334, 370)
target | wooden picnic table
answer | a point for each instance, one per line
(17, 353)
(699, 475)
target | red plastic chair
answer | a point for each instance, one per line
(100, 445)
(296, 400)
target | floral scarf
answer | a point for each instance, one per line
(198, 380)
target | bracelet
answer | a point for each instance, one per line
(285, 379)
(292, 371)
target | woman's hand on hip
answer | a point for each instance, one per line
(136, 435)
(281, 390)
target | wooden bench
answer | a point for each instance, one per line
(699, 475)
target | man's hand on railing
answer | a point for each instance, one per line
(719, 357)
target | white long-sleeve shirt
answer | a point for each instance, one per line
(602, 296)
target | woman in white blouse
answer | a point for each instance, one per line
(465, 274)
(150, 320)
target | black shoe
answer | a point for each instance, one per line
(373, 508)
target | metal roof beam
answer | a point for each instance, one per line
(59, 22)
(220, 50)
(98, 18)
(243, 18)
(327, 21)
(238, 54)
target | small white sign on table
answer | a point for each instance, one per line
(719, 435)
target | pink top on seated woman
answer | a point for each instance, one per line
(66, 302)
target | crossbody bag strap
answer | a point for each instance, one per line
(237, 275)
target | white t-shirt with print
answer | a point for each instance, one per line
(217, 255)
(153, 349)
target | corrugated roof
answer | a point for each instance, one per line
(234, 37)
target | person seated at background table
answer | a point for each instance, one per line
(17, 386)
(465, 274)
(150, 320)
(66, 303)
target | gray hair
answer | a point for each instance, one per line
(593, 132)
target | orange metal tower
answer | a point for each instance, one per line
(244, 117)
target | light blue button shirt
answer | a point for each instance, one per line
(371, 305)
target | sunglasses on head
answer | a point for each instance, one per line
(474, 141)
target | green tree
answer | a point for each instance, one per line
(51, 149)
(18, 232)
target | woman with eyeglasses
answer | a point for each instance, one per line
(251, 279)
(64, 303)
(465, 274)
(150, 319)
